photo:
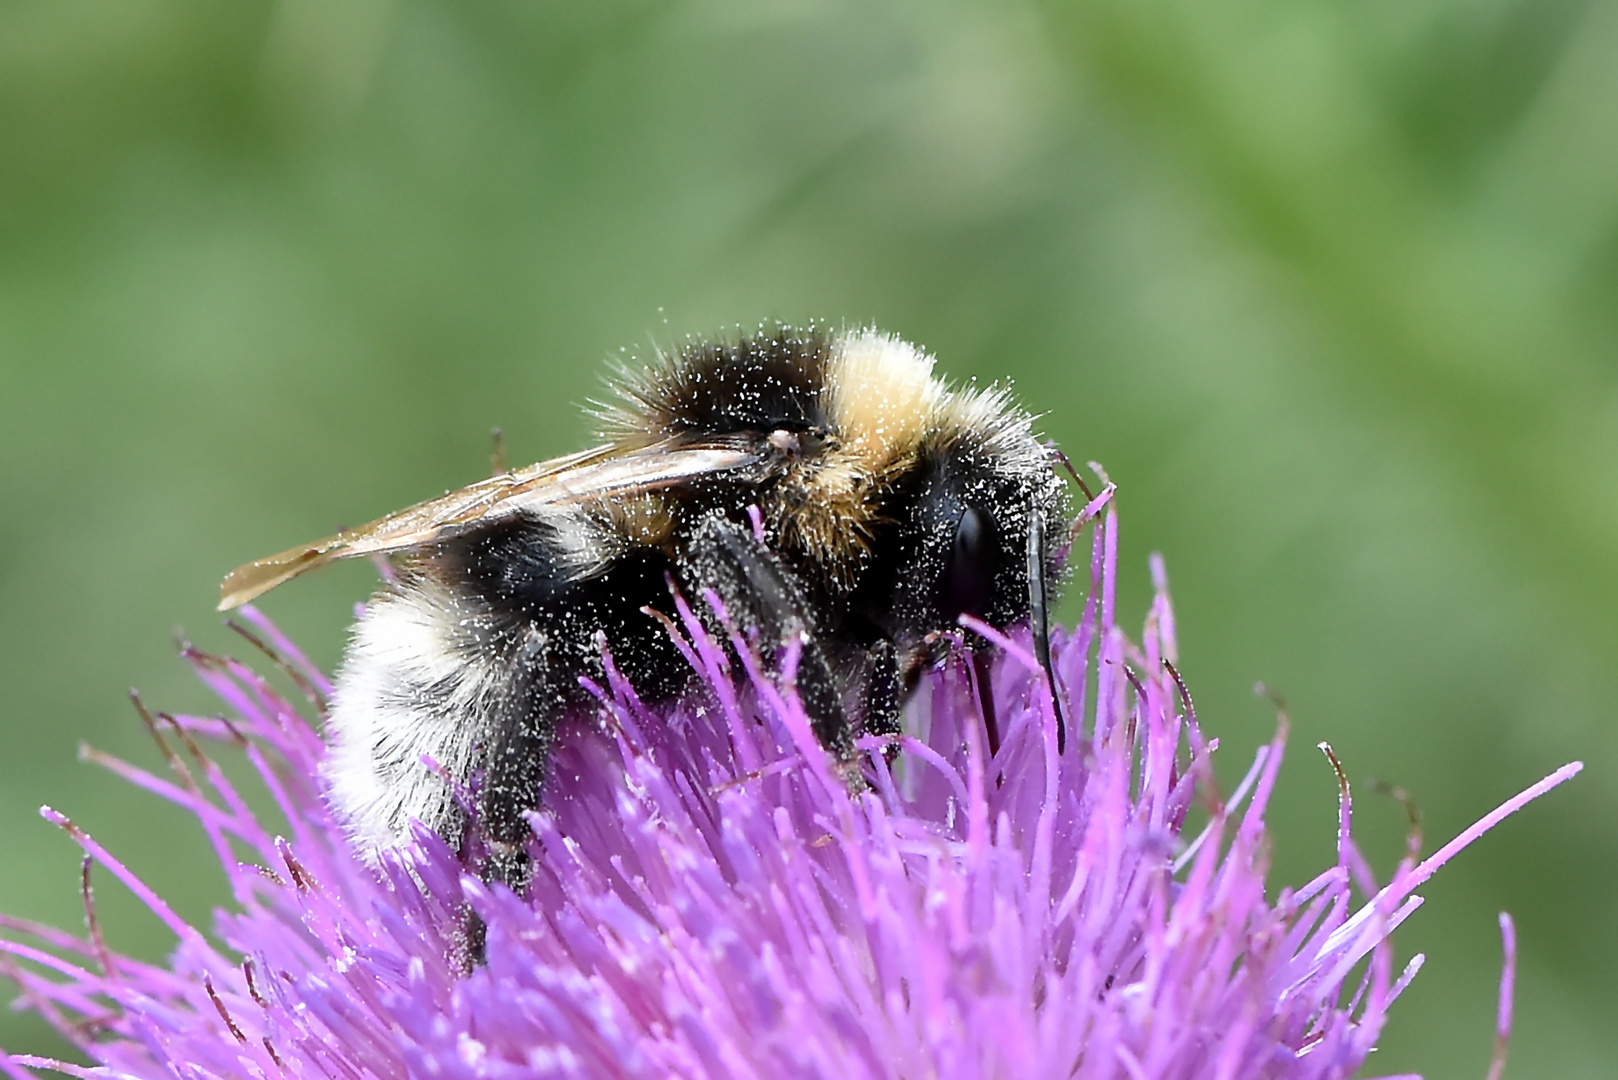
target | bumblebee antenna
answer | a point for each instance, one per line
(1039, 618)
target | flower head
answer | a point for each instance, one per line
(709, 899)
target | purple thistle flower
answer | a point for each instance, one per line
(709, 900)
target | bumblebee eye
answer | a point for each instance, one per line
(968, 584)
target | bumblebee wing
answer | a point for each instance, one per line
(590, 474)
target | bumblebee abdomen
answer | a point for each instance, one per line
(418, 680)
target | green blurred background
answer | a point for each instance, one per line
(1327, 286)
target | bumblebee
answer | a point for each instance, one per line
(823, 484)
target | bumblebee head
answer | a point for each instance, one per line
(969, 529)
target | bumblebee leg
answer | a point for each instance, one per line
(885, 691)
(983, 674)
(762, 596)
(518, 754)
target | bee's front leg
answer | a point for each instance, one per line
(763, 597)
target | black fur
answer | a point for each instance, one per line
(766, 383)
(519, 570)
